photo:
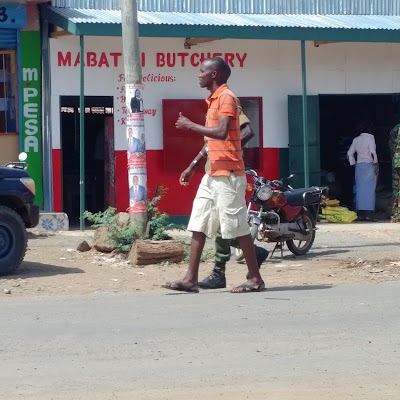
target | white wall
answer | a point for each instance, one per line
(272, 70)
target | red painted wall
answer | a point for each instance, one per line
(57, 180)
(178, 199)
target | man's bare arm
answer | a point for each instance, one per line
(219, 132)
(246, 134)
(189, 171)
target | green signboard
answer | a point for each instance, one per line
(30, 97)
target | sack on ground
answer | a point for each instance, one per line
(339, 214)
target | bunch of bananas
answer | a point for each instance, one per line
(330, 202)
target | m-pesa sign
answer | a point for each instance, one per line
(31, 98)
(31, 112)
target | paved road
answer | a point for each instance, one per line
(288, 343)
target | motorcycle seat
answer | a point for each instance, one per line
(303, 197)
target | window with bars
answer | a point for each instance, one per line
(8, 92)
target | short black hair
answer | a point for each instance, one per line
(365, 126)
(223, 69)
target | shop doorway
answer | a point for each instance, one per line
(99, 154)
(339, 115)
(331, 127)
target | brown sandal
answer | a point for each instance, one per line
(180, 287)
(246, 288)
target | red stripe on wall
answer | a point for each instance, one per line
(57, 181)
(121, 181)
(178, 199)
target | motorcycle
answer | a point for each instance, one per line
(278, 213)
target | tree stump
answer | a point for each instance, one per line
(145, 252)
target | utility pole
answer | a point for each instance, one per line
(135, 132)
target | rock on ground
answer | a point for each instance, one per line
(102, 240)
(83, 246)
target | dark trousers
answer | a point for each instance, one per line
(223, 250)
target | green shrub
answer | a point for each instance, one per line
(123, 238)
(158, 221)
(102, 218)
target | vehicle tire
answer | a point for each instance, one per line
(296, 246)
(253, 232)
(13, 240)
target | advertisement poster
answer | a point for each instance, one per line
(137, 191)
(136, 151)
(136, 147)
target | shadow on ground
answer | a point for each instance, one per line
(32, 235)
(268, 289)
(314, 254)
(32, 270)
(297, 287)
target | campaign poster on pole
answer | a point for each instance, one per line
(137, 191)
(136, 150)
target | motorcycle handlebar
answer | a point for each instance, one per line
(255, 176)
(251, 172)
(276, 182)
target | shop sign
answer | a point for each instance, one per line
(12, 16)
(158, 60)
(31, 111)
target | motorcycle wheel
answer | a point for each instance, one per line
(253, 232)
(301, 247)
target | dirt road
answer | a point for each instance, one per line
(341, 254)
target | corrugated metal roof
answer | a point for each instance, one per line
(324, 7)
(82, 16)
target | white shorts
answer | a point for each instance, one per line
(220, 202)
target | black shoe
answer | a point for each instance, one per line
(213, 281)
(261, 254)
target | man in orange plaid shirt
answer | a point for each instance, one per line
(220, 199)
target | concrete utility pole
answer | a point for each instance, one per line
(135, 132)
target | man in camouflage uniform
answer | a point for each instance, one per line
(394, 145)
